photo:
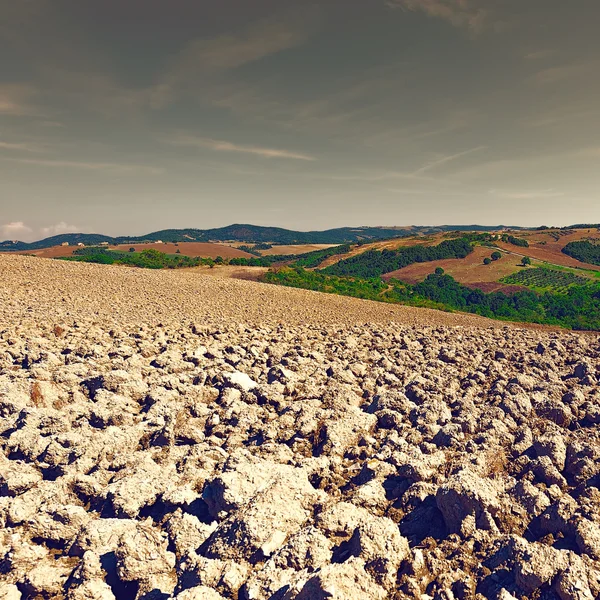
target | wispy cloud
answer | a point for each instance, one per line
(560, 73)
(225, 146)
(22, 147)
(446, 159)
(15, 100)
(59, 228)
(15, 229)
(471, 14)
(89, 166)
(527, 194)
(204, 57)
(256, 41)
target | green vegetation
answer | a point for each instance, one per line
(515, 241)
(578, 308)
(439, 271)
(374, 263)
(487, 261)
(255, 248)
(583, 251)
(308, 260)
(153, 259)
(525, 261)
(147, 259)
(544, 279)
(496, 255)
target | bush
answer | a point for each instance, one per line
(439, 271)
(132, 249)
(496, 255)
(487, 261)
(374, 263)
(583, 251)
(526, 261)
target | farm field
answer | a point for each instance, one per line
(544, 279)
(295, 249)
(547, 245)
(384, 245)
(468, 271)
(200, 249)
(194, 249)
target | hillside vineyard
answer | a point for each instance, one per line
(165, 434)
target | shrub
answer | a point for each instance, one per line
(439, 271)
(487, 261)
(526, 261)
(131, 249)
(496, 255)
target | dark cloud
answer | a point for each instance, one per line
(428, 110)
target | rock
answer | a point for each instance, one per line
(536, 565)
(8, 591)
(468, 494)
(199, 593)
(587, 536)
(345, 581)
(379, 544)
(274, 513)
(142, 557)
(553, 446)
(240, 380)
(572, 584)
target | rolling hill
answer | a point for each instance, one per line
(245, 233)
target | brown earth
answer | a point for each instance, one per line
(295, 249)
(195, 249)
(165, 434)
(383, 245)
(469, 270)
(544, 247)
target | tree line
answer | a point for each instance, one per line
(374, 263)
(583, 251)
(579, 308)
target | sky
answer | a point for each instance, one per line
(125, 117)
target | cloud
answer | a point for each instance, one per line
(446, 159)
(89, 166)
(208, 57)
(469, 14)
(15, 100)
(21, 147)
(59, 229)
(15, 229)
(224, 146)
(256, 41)
(527, 194)
(557, 74)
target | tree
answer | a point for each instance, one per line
(131, 249)
(496, 255)
(526, 261)
(487, 261)
(178, 251)
(439, 271)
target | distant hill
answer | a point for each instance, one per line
(246, 233)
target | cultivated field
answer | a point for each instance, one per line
(469, 270)
(547, 245)
(300, 249)
(194, 249)
(166, 434)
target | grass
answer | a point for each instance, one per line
(543, 279)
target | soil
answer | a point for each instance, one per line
(169, 434)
